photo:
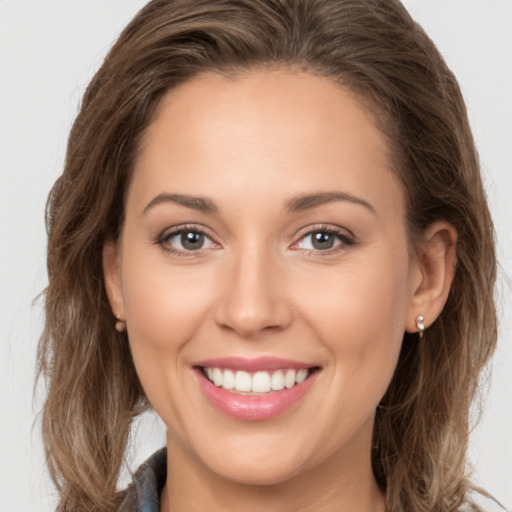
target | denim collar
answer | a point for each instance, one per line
(143, 494)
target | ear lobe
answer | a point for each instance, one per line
(112, 276)
(436, 259)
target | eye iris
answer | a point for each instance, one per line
(322, 240)
(191, 240)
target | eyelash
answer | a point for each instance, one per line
(345, 239)
(164, 238)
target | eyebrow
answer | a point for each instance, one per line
(195, 203)
(306, 202)
(294, 205)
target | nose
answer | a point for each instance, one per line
(253, 299)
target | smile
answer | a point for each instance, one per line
(257, 382)
(255, 389)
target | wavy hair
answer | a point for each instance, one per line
(371, 47)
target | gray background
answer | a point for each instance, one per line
(48, 52)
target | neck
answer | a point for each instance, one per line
(340, 484)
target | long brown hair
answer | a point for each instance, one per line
(375, 49)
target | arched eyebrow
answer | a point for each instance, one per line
(308, 201)
(201, 204)
(294, 205)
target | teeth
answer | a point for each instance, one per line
(228, 381)
(277, 382)
(261, 382)
(289, 378)
(258, 382)
(217, 377)
(301, 376)
(243, 381)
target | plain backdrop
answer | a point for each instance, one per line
(48, 52)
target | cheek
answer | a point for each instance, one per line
(364, 298)
(358, 313)
(163, 309)
(163, 306)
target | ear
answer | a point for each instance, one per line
(435, 268)
(112, 276)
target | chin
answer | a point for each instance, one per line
(262, 464)
(266, 473)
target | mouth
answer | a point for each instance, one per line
(258, 382)
(255, 389)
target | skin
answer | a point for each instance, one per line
(257, 287)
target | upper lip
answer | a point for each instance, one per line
(253, 364)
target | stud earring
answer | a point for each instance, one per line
(120, 324)
(420, 325)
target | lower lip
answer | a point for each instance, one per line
(254, 407)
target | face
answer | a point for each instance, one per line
(264, 273)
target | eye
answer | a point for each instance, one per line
(324, 239)
(319, 241)
(185, 240)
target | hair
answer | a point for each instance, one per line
(371, 47)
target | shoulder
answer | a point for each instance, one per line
(143, 494)
(479, 500)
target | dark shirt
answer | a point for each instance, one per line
(143, 494)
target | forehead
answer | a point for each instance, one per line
(277, 129)
(272, 99)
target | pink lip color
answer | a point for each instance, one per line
(254, 407)
(252, 365)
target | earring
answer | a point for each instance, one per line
(420, 325)
(120, 324)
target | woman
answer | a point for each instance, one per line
(283, 246)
